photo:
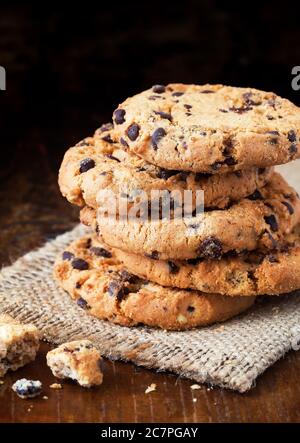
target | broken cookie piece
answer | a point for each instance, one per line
(78, 360)
(19, 344)
(27, 388)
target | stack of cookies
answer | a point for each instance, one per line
(184, 271)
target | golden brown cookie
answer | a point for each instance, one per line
(98, 281)
(209, 128)
(78, 360)
(249, 273)
(19, 344)
(260, 221)
(98, 163)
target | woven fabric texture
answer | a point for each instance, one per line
(230, 354)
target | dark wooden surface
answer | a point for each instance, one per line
(31, 211)
(66, 72)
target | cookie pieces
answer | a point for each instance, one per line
(78, 360)
(19, 344)
(209, 128)
(27, 388)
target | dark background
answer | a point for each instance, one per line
(69, 65)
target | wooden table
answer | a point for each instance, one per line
(32, 210)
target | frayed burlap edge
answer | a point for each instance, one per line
(229, 355)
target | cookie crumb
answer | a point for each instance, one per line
(27, 388)
(150, 388)
(55, 386)
(195, 387)
(45, 397)
(1, 382)
(194, 400)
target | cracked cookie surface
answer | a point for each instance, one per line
(99, 163)
(19, 344)
(252, 273)
(98, 281)
(260, 221)
(209, 128)
(78, 360)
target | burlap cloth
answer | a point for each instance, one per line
(230, 354)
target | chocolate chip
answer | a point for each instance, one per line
(273, 132)
(80, 264)
(241, 109)
(78, 285)
(67, 255)
(289, 207)
(211, 248)
(166, 173)
(271, 220)
(108, 139)
(190, 308)
(154, 255)
(177, 94)
(165, 115)
(223, 110)
(154, 97)
(188, 106)
(116, 289)
(230, 161)
(201, 175)
(261, 170)
(255, 196)
(101, 252)
(106, 127)
(128, 277)
(207, 91)
(273, 141)
(133, 132)
(86, 164)
(157, 135)
(119, 115)
(269, 117)
(158, 89)
(141, 169)
(194, 261)
(123, 142)
(292, 137)
(112, 157)
(88, 243)
(173, 268)
(272, 258)
(293, 149)
(82, 303)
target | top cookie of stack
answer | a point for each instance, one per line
(210, 128)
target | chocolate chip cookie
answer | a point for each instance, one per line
(99, 163)
(78, 360)
(209, 128)
(249, 273)
(19, 344)
(259, 221)
(93, 276)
